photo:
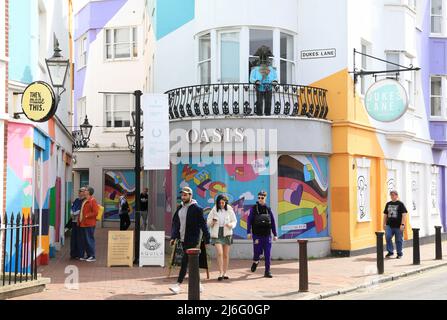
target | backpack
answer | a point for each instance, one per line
(262, 224)
(125, 206)
(100, 213)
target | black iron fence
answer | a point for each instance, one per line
(239, 99)
(18, 239)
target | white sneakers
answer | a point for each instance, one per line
(175, 289)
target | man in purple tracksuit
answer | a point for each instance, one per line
(260, 226)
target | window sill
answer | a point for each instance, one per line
(438, 119)
(438, 35)
(112, 130)
(121, 59)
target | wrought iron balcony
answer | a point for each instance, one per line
(239, 100)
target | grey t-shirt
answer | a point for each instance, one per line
(182, 216)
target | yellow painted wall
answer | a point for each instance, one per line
(352, 137)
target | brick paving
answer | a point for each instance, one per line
(98, 282)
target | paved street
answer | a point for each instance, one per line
(429, 285)
(97, 282)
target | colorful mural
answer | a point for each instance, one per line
(115, 182)
(302, 197)
(239, 182)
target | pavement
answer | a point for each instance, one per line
(328, 277)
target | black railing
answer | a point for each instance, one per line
(239, 99)
(18, 238)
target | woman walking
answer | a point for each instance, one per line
(221, 221)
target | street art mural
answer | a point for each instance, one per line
(115, 182)
(302, 197)
(239, 182)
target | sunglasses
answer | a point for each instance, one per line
(261, 198)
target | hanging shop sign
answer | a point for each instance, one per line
(386, 100)
(152, 248)
(39, 102)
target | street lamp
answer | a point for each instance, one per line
(131, 140)
(57, 67)
(82, 137)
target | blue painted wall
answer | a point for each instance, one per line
(23, 40)
(171, 15)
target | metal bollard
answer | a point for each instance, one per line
(416, 249)
(194, 274)
(438, 240)
(304, 277)
(380, 262)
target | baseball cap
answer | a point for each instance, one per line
(186, 190)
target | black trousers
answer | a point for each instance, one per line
(184, 267)
(264, 99)
(124, 221)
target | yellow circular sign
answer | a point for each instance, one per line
(39, 102)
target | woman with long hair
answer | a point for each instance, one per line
(221, 221)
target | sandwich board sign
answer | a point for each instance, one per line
(152, 248)
(120, 249)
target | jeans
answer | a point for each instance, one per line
(88, 241)
(124, 221)
(184, 266)
(75, 241)
(389, 233)
(264, 98)
(144, 220)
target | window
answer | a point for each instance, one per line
(437, 19)
(82, 49)
(82, 110)
(392, 57)
(118, 110)
(436, 85)
(366, 81)
(43, 45)
(229, 57)
(287, 63)
(258, 38)
(121, 43)
(205, 59)
(434, 192)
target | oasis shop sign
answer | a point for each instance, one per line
(386, 100)
(215, 135)
(39, 102)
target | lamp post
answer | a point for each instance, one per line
(134, 144)
(57, 67)
(82, 137)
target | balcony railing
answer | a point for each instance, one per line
(239, 100)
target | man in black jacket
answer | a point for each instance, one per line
(188, 223)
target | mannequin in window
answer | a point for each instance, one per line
(263, 76)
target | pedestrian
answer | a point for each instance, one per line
(221, 221)
(260, 226)
(144, 198)
(75, 246)
(188, 227)
(395, 214)
(123, 212)
(87, 223)
(264, 77)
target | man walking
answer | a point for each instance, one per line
(188, 223)
(144, 198)
(394, 217)
(75, 252)
(123, 212)
(87, 223)
(260, 226)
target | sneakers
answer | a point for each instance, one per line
(83, 259)
(268, 274)
(175, 289)
(389, 254)
(254, 266)
(399, 257)
(90, 259)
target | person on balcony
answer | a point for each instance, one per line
(264, 77)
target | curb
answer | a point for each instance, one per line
(382, 279)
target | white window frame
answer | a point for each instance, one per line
(406, 79)
(365, 81)
(82, 52)
(443, 20)
(81, 110)
(201, 62)
(244, 54)
(286, 60)
(443, 115)
(112, 110)
(133, 42)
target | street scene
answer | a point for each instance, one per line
(223, 150)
